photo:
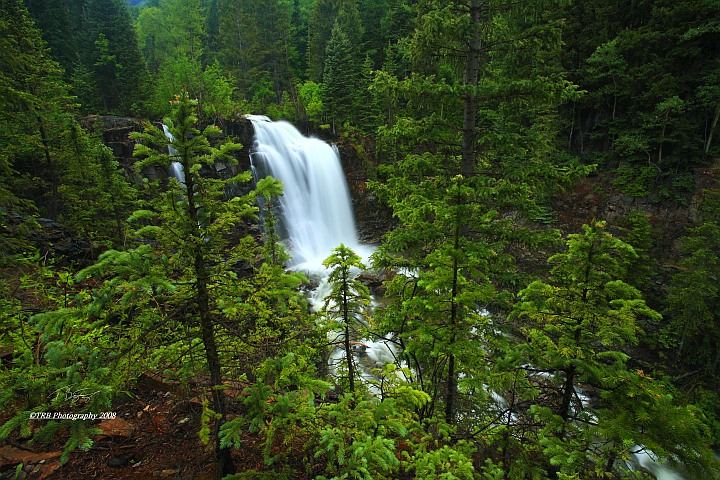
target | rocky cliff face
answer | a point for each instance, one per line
(116, 132)
(596, 197)
(372, 218)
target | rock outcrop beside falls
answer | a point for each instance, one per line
(371, 217)
(116, 132)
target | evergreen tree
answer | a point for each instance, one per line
(299, 36)
(578, 326)
(693, 298)
(111, 53)
(485, 145)
(212, 27)
(47, 157)
(60, 24)
(581, 320)
(241, 310)
(347, 302)
(366, 106)
(397, 23)
(451, 248)
(173, 38)
(257, 46)
(97, 197)
(320, 27)
(651, 103)
(201, 223)
(37, 103)
(338, 78)
(372, 14)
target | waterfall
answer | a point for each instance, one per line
(176, 170)
(315, 210)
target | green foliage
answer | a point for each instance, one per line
(96, 45)
(47, 157)
(692, 302)
(61, 365)
(340, 74)
(579, 321)
(578, 325)
(310, 95)
(217, 101)
(172, 37)
(445, 463)
(255, 46)
(646, 73)
(435, 304)
(241, 318)
(347, 303)
(350, 438)
(320, 25)
(637, 232)
(466, 110)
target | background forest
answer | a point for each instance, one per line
(534, 339)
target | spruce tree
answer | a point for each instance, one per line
(579, 326)
(471, 150)
(197, 222)
(109, 50)
(338, 78)
(693, 300)
(347, 302)
(320, 26)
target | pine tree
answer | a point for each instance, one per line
(693, 299)
(450, 249)
(60, 25)
(52, 159)
(579, 325)
(173, 38)
(320, 26)
(347, 302)
(37, 105)
(201, 222)
(110, 74)
(470, 150)
(338, 78)
(651, 102)
(586, 314)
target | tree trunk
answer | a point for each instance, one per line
(223, 457)
(52, 171)
(451, 385)
(568, 390)
(472, 75)
(346, 319)
(712, 128)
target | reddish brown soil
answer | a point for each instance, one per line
(155, 437)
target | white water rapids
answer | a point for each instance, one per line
(176, 169)
(315, 207)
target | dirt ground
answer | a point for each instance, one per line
(154, 436)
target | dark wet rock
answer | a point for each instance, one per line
(117, 462)
(53, 240)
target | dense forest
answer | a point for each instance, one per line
(530, 339)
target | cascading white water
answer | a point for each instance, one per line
(176, 170)
(315, 206)
(316, 215)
